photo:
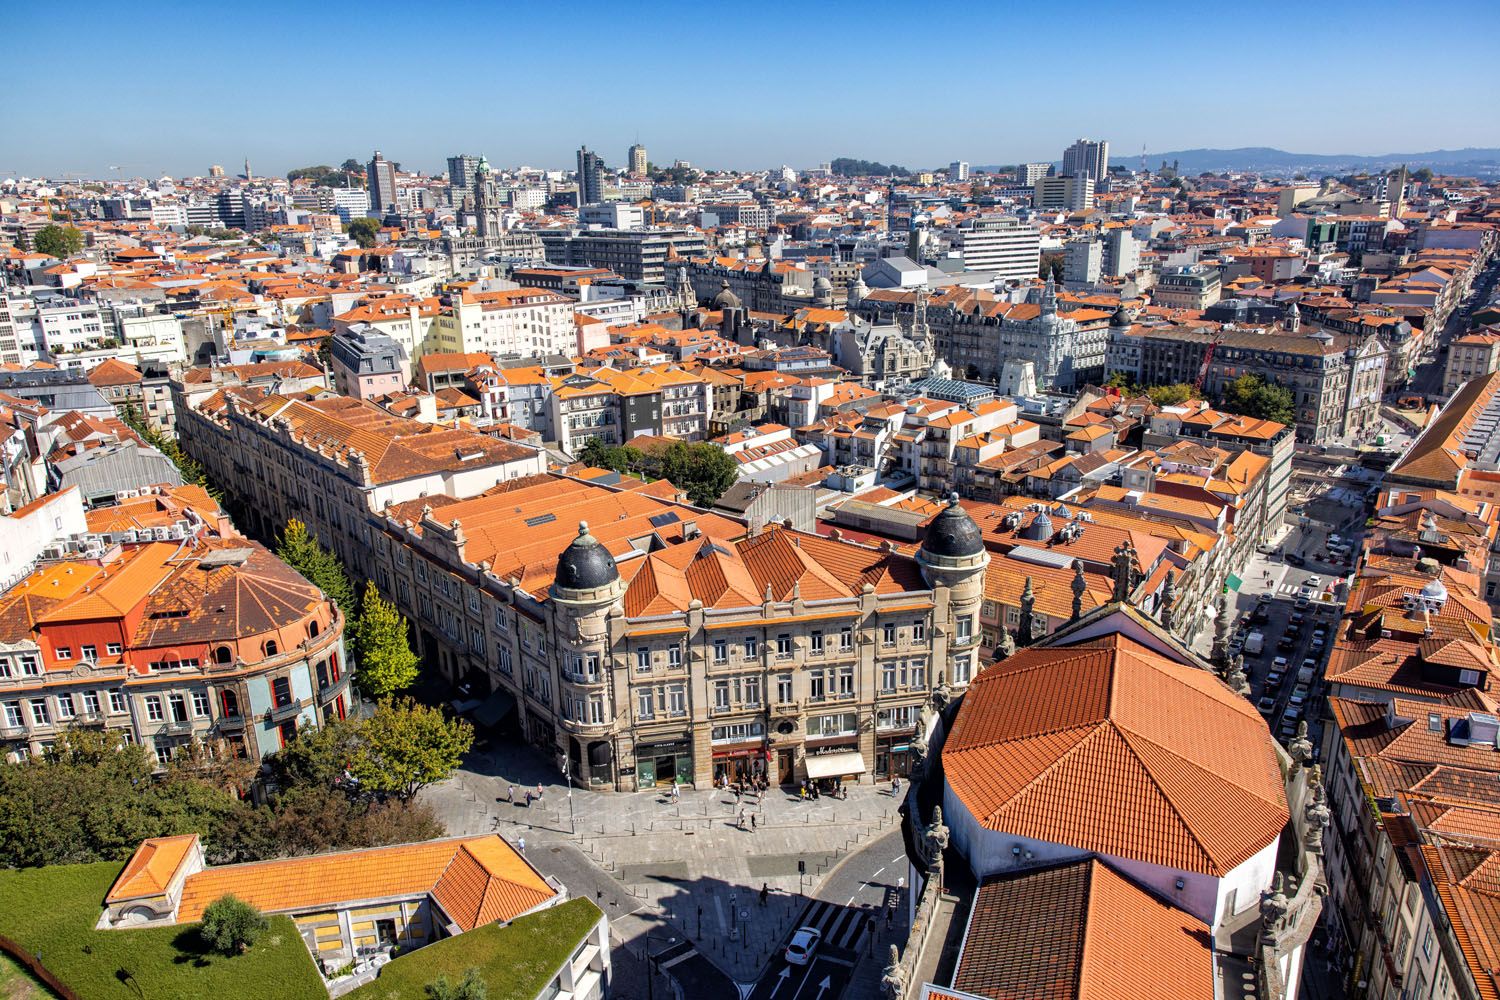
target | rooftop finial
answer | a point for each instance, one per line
(583, 527)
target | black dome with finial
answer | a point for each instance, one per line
(953, 533)
(585, 564)
(725, 299)
(1121, 318)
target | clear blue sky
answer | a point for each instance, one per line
(173, 87)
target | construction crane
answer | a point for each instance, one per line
(1208, 358)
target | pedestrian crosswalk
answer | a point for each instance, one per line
(841, 926)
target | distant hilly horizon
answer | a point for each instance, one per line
(1268, 159)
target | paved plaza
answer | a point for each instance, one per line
(687, 875)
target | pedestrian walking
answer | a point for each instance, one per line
(765, 890)
(522, 845)
(528, 798)
(742, 819)
(752, 822)
(510, 795)
(539, 791)
(895, 784)
(676, 792)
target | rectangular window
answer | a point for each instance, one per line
(783, 645)
(918, 674)
(644, 708)
(113, 648)
(846, 638)
(960, 670)
(154, 711)
(750, 647)
(30, 666)
(91, 702)
(64, 652)
(784, 688)
(918, 631)
(117, 700)
(846, 682)
(966, 628)
(721, 695)
(643, 659)
(815, 688)
(888, 677)
(90, 652)
(817, 642)
(888, 635)
(179, 707)
(65, 706)
(281, 692)
(200, 704)
(13, 714)
(674, 656)
(677, 699)
(752, 691)
(721, 651)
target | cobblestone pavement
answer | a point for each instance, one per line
(680, 871)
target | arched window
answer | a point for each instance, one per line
(271, 647)
(223, 655)
(231, 703)
(312, 629)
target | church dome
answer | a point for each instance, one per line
(726, 299)
(1435, 592)
(1121, 318)
(585, 564)
(822, 284)
(953, 534)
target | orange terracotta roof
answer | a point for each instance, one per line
(483, 878)
(1081, 931)
(1100, 746)
(152, 867)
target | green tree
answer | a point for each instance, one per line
(1119, 380)
(386, 661)
(1423, 175)
(350, 166)
(57, 241)
(471, 987)
(363, 231)
(703, 471)
(408, 746)
(318, 757)
(231, 925)
(1251, 396)
(320, 567)
(1170, 395)
(617, 458)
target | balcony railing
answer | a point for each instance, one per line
(288, 711)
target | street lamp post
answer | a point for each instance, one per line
(651, 963)
(568, 782)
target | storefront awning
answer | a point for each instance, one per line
(496, 707)
(835, 765)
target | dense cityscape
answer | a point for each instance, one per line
(475, 581)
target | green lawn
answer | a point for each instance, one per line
(52, 911)
(515, 961)
(18, 984)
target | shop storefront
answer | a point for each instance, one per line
(663, 763)
(739, 752)
(829, 763)
(893, 756)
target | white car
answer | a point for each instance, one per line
(799, 951)
(1315, 582)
